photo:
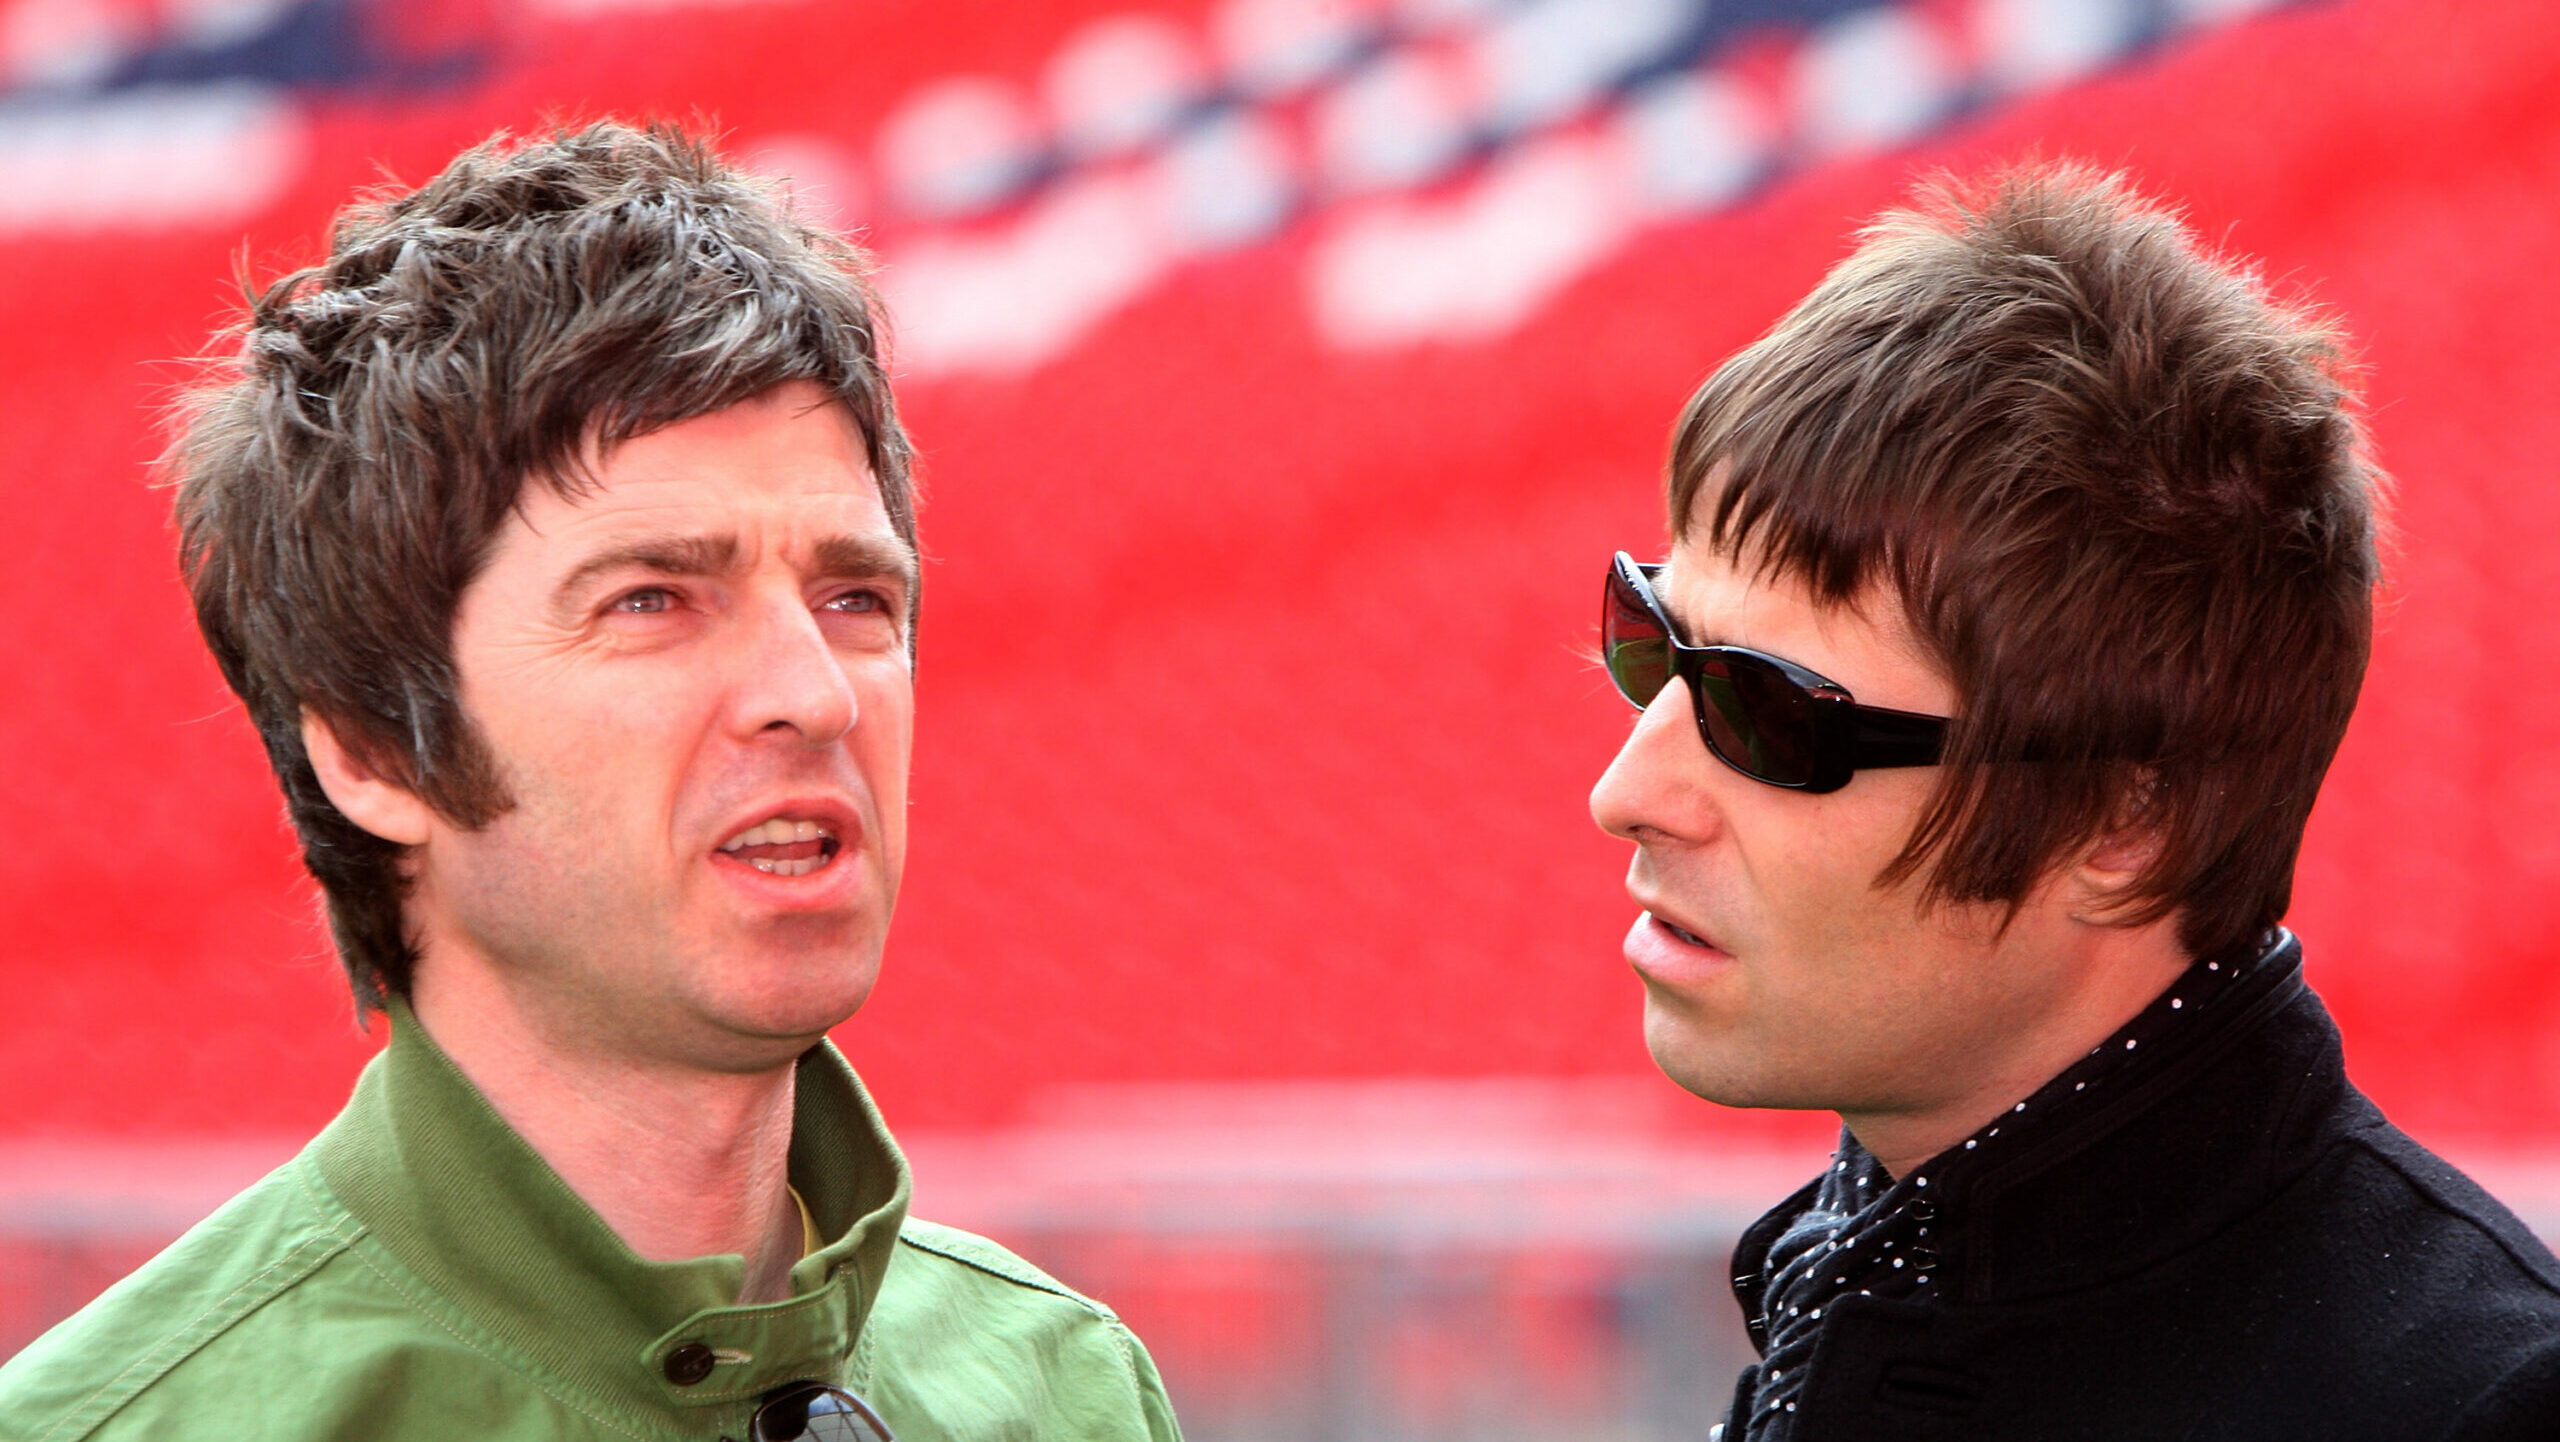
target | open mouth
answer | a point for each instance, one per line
(1684, 934)
(784, 846)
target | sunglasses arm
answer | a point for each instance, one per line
(1894, 738)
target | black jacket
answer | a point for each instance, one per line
(2238, 1247)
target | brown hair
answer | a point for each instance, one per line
(2121, 495)
(340, 477)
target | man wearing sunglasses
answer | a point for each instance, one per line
(556, 533)
(2019, 592)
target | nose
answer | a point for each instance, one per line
(792, 682)
(1657, 786)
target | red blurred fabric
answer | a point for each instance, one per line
(1254, 726)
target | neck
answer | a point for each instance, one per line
(2120, 971)
(679, 1161)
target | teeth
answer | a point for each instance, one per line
(774, 833)
(785, 868)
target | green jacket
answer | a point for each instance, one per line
(419, 1272)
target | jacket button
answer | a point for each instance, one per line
(689, 1364)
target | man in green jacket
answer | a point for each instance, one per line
(556, 532)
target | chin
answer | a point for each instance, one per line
(1691, 1067)
(731, 1034)
(1711, 1068)
(1706, 1085)
(788, 999)
(806, 1010)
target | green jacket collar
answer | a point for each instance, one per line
(421, 1159)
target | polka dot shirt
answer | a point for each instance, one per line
(1867, 1234)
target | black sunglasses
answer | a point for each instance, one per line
(817, 1412)
(1770, 719)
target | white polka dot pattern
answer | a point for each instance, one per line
(1867, 1230)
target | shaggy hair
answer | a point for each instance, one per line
(2122, 497)
(340, 477)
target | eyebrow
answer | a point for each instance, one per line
(867, 558)
(659, 555)
(841, 556)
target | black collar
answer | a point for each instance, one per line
(2213, 1125)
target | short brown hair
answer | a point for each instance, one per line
(2122, 496)
(340, 477)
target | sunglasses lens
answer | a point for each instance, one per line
(1758, 721)
(1633, 643)
(1756, 718)
(818, 1413)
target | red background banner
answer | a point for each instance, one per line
(1254, 725)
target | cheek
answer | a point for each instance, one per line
(1814, 861)
(567, 717)
(602, 768)
(884, 740)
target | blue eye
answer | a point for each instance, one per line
(648, 602)
(857, 601)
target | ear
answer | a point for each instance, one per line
(2117, 857)
(366, 797)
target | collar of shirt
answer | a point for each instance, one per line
(477, 1216)
(1857, 1232)
(811, 1239)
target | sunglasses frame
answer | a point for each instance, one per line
(1847, 737)
(803, 1393)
